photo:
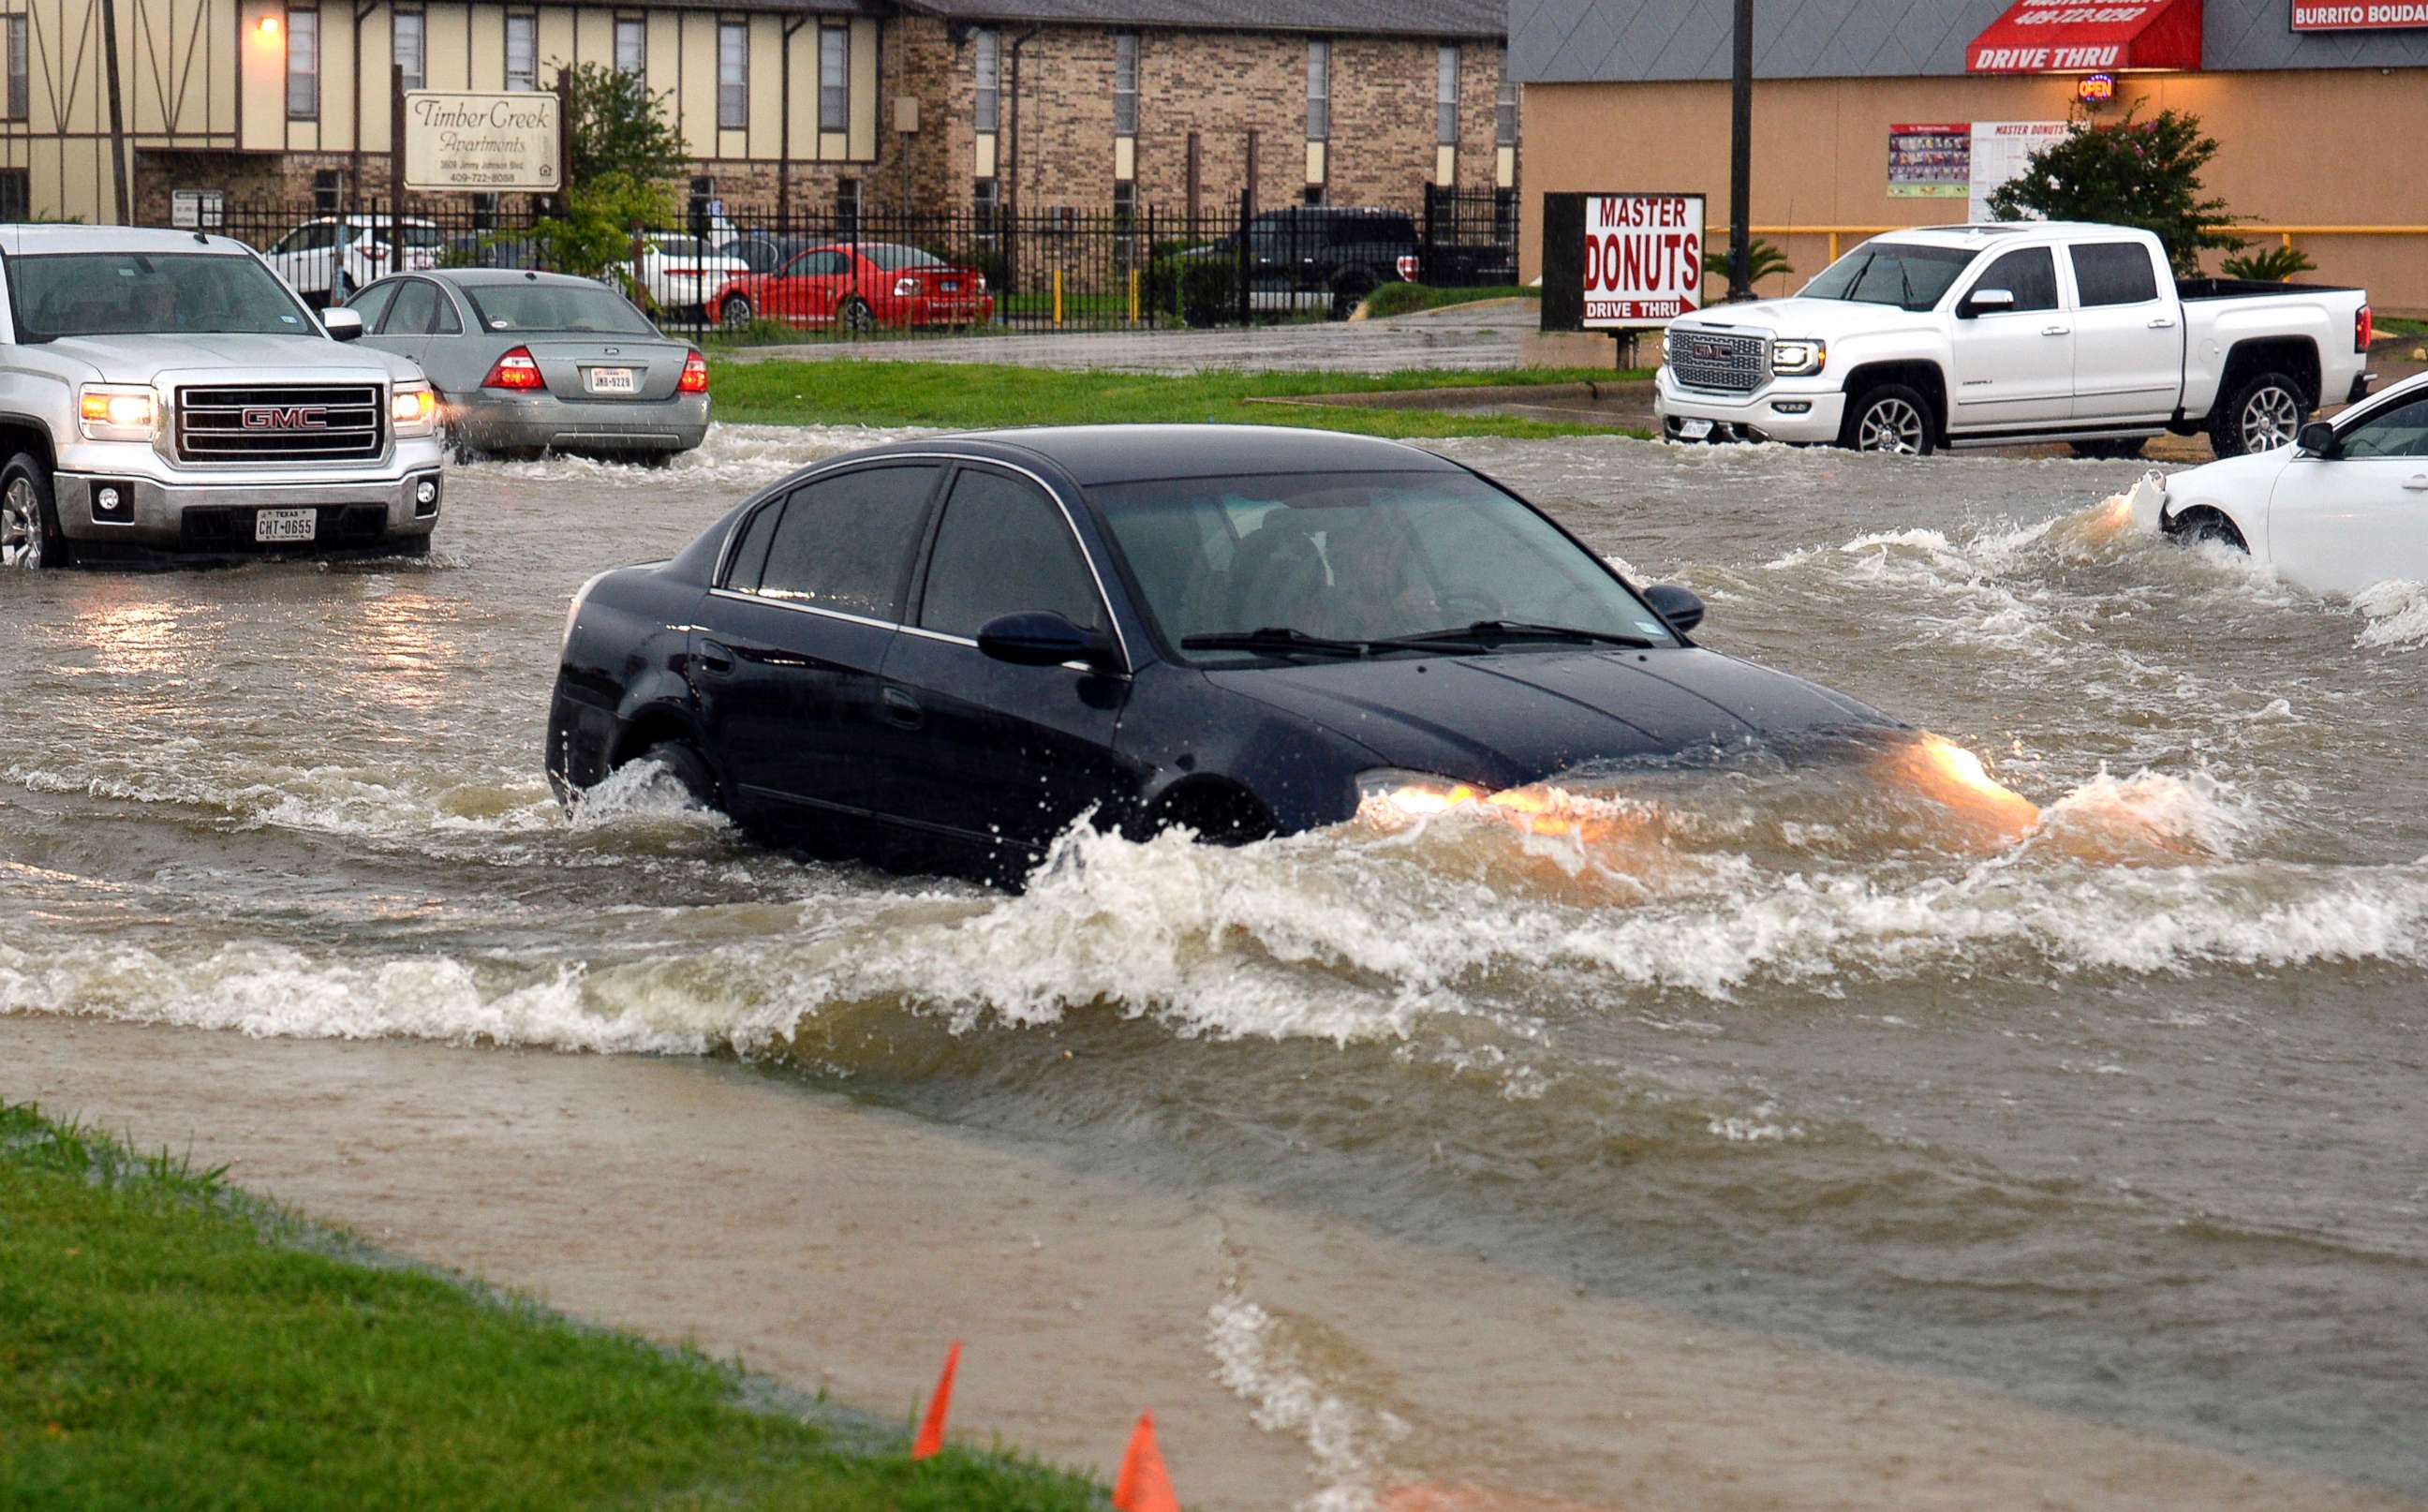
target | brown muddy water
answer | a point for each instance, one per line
(2122, 1114)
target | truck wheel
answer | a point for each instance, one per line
(1891, 418)
(29, 522)
(2265, 412)
(1349, 293)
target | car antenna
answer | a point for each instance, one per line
(200, 237)
(529, 277)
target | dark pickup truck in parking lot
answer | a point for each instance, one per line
(1329, 257)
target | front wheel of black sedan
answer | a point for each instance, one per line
(690, 771)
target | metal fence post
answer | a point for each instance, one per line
(1247, 213)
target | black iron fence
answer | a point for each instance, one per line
(878, 272)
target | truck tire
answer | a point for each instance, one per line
(30, 521)
(1349, 292)
(2265, 411)
(1889, 418)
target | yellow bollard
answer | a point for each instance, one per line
(1833, 246)
(1134, 296)
(1058, 296)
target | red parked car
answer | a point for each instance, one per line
(858, 287)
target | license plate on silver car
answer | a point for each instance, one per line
(612, 381)
(1694, 430)
(286, 524)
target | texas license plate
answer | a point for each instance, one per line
(612, 381)
(1695, 430)
(286, 524)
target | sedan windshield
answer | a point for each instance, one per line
(1891, 272)
(1350, 560)
(147, 293)
(556, 307)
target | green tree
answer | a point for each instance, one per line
(2134, 172)
(625, 155)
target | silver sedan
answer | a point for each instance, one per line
(530, 362)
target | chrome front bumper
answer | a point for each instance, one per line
(544, 423)
(1803, 412)
(217, 515)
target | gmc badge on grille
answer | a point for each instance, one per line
(285, 417)
(1712, 351)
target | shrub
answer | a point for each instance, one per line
(2273, 265)
(1209, 291)
(2135, 172)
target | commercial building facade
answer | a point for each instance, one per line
(1871, 114)
(790, 106)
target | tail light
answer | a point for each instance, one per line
(2364, 330)
(375, 254)
(695, 375)
(904, 287)
(1409, 267)
(515, 370)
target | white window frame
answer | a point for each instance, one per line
(522, 36)
(835, 78)
(634, 29)
(1125, 84)
(303, 48)
(1445, 96)
(986, 61)
(1504, 114)
(20, 82)
(733, 76)
(1318, 89)
(415, 24)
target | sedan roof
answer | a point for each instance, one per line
(1093, 454)
(486, 278)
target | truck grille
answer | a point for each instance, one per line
(288, 423)
(1710, 360)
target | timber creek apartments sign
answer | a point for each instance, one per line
(486, 143)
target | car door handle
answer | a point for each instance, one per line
(2416, 483)
(2163, 323)
(902, 710)
(2056, 330)
(715, 657)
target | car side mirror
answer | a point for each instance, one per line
(1984, 301)
(1675, 604)
(1041, 637)
(2318, 439)
(342, 325)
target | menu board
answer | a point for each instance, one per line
(1930, 161)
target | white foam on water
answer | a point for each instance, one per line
(740, 454)
(2397, 612)
(1256, 1361)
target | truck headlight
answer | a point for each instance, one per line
(1798, 359)
(117, 412)
(413, 410)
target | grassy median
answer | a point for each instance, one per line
(978, 396)
(172, 1343)
(1407, 299)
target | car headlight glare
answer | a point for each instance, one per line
(1395, 797)
(117, 412)
(1799, 358)
(413, 410)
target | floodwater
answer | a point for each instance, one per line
(2120, 1112)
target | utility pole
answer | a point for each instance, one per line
(116, 110)
(1741, 159)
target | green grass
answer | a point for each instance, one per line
(1406, 299)
(166, 1342)
(2409, 329)
(977, 396)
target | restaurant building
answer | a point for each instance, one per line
(1874, 114)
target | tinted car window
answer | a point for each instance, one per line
(529, 306)
(449, 323)
(2401, 431)
(372, 303)
(2029, 273)
(749, 558)
(417, 305)
(845, 543)
(1003, 548)
(1891, 272)
(2114, 272)
(816, 265)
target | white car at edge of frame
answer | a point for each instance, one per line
(2346, 506)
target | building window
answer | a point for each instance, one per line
(846, 206)
(328, 191)
(1505, 116)
(303, 65)
(21, 94)
(1125, 84)
(990, 66)
(16, 192)
(834, 79)
(1446, 97)
(986, 198)
(1319, 91)
(732, 75)
(1124, 200)
(522, 52)
(411, 49)
(632, 46)
(1314, 194)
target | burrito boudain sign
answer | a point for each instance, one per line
(482, 144)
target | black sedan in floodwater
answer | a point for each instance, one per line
(939, 654)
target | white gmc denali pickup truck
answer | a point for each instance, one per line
(163, 392)
(2021, 331)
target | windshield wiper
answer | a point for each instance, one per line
(1272, 638)
(1497, 629)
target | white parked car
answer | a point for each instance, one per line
(2019, 331)
(326, 260)
(681, 271)
(2344, 507)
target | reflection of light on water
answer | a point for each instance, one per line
(403, 638)
(135, 634)
(1948, 773)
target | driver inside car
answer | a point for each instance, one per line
(1381, 584)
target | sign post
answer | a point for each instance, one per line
(1621, 263)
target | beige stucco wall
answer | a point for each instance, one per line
(2337, 147)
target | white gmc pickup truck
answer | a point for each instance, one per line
(2023, 331)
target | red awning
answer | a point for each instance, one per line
(2071, 37)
